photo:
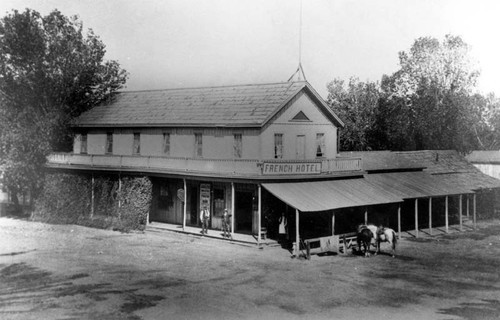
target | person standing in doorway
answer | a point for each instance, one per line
(282, 228)
(226, 225)
(204, 216)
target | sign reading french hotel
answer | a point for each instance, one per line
(282, 168)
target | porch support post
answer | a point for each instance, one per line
(467, 198)
(184, 214)
(399, 221)
(333, 222)
(474, 211)
(366, 215)
(119, 191)
(93, 199)
(430, 216)
(232, 209)
(416, 218)
(259, 212)
(460, 212)
(297, 235)
(446, 213)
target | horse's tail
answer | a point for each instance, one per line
(394, 239)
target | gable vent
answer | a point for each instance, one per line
(300, 117)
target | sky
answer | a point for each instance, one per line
(193, 43)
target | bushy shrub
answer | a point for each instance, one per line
(67, 198)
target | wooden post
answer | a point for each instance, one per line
(232, 209)
(467, 198)
(259, 212)
(430, 216)
(93, 199)
(460, 212)
(297, 235)
(416, 218)
(119, 191)
(184, 214)
(366, 215)
(474, 211)
(399, 221)
(446, 213)
(333, 223)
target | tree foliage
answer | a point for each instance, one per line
(355, 103)
(429, 103)
(51, 70)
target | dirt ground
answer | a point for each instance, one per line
(72, 272)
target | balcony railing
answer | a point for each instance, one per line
(193, 165)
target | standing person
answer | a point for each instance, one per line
(204, 216)
(226, 224)
(282, 228)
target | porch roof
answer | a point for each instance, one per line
(329, 195)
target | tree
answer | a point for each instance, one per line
(430, 96)
(356, 104)
(50, 71)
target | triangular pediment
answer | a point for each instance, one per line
(301, 116)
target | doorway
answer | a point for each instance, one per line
(243, 212)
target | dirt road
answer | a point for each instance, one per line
(72, 272)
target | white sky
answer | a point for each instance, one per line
(190, 43)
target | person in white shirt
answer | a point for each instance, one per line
(204, 217)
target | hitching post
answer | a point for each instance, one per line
(460, 212)
(416, 218)
(430, 216)
(185, 206)
(259, 212)
(232, 209)
(297, 236)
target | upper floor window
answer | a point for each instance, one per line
(136, 147)
(320, 145)
(109, 142)
(278, 145)
(237, 147)
(198, 145)
(166, 143)
(83, 143)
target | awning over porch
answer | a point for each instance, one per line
(329, 195)
(408, 185)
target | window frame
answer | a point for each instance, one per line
(109, 143)
(83, 143)
(136, 144)
(166, 144)
(278, 147)
(320, 145)
(198, 145)
(237, 145)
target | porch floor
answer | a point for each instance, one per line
(239, 238)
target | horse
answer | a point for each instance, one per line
(381, 234)
(385, 234)
(364, 238)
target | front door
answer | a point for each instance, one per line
(301, 147)
(243, 212)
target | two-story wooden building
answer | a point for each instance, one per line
(256, 150)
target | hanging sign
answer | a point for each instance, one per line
(205, 195)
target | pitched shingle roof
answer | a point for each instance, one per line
(489, 156)
(383, 160)
(243, 105)
(452, 168)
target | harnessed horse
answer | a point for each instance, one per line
(379, 234)
(364, 239)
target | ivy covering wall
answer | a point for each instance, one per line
(120, 205)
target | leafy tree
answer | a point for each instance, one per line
(50, 71)
(356, 104)
(430, 96)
